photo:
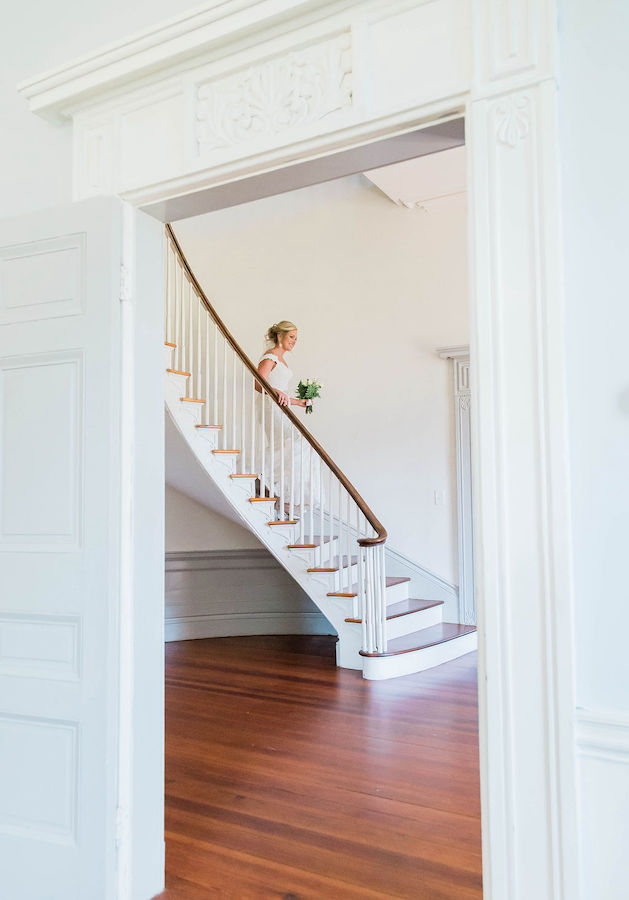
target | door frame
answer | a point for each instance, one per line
(509, 96)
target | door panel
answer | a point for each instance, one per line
(59, 548)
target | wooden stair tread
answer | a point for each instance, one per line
(238, 475)
(208, 426)
(313, 544)
(353, 591)
(225, 451)
(191, 400)
(334, 565)
(283, 522)
(179, 372)
(262, 499)
(169, 344)
(425, 637)
(405, 608)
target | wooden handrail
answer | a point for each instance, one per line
(381, 534)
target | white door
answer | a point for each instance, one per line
(59, 541)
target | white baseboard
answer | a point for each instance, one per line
(211, 626)
(221, 593)
(602, 744)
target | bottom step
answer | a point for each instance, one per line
(420, 650)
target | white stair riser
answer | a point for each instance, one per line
(398, 592)
(168, 357)
(377, 668)
(424, 618)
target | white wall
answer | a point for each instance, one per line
(594, 154)
(374, 289)
(35, 156)
(192, 526)
(595, 150)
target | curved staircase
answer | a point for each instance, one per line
(268, 465)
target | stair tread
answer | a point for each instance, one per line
(179, 372)
(333, 565)
(312, 543)
(405, 608)
(425, 637)
(392, 580)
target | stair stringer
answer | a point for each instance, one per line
(254, 517)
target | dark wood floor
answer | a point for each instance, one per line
(289, 778)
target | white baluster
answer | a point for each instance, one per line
(383, 595)
(253, 425)
(207, 420)
(348, 534)
(168, 331)
(190, 340)
(217, 420)
(273, 423)
(310, 497)
(302, 513)
(291, 511)
(180, 320)
(331, 528)
(342, 573)
(262, 444)
(282, 417)
(243, 422)
(321, 512)
(362, 598)
(197, 387)
(234, 407)
(225, 423)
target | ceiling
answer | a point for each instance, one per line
(426, 182)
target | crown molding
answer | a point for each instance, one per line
(54, 94)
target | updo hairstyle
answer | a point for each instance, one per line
(276, 332)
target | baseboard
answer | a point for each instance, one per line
(220, 593)
(425, 585)
(191, 627)
(602, 745)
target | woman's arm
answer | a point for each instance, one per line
(265, 367)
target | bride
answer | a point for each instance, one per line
(282, 442)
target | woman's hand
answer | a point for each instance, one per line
(283, 398)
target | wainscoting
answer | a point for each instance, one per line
(603, 772)
(219, 593)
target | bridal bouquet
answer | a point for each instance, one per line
(307, 390)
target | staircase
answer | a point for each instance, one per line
(290, 493)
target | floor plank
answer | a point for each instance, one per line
(290, 779)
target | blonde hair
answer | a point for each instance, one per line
(277, 331)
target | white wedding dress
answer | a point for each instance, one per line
(280, 378)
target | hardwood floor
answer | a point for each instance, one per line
(289, 778)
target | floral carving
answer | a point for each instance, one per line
(513, 119)
(295, 89)
(464, 401)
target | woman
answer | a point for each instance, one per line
(283, 443)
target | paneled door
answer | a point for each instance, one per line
(59, 549)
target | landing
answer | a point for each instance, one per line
(289, 777)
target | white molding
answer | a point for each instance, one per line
(247, 613)
(176, 40)
(522, 509)
(460, 352)
(603, 735)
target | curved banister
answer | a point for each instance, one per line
(381, 534)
